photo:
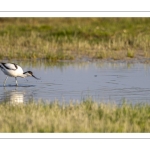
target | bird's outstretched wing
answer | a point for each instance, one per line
(10, 66)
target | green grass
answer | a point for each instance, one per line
(83, 117)
(56, 39)
(130, 53)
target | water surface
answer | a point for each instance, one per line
(101, 81)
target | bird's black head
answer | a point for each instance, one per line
(30, 73)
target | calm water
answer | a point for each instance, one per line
(103, 82)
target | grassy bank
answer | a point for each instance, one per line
(87, 116)
(70, 38)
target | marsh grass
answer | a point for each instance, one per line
(83, 117)
(130, 53)
(70, 38)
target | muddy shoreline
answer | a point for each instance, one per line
(126, 60)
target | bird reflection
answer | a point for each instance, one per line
(13, 97)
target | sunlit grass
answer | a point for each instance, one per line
(130, 53)
(83, 117)
(70, 38)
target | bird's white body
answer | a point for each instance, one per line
(13, 70)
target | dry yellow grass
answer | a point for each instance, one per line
(87, 116)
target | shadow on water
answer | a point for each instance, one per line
(101, 81)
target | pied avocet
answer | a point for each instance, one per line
(13, 70)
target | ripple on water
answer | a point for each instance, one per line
(101, 81)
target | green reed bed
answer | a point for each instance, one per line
(83, 117)
(70, 38)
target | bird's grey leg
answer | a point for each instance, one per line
(16, 81)
(5, 80)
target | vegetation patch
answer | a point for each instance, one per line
(83, 117)
(70, 38)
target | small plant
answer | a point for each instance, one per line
(101, 54)
(130, 53)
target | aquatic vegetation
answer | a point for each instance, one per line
(83, 117)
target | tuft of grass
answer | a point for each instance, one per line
(130, 53)
(83, 117)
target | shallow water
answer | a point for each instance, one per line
(101, 81)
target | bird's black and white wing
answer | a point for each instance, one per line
(9, 66)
